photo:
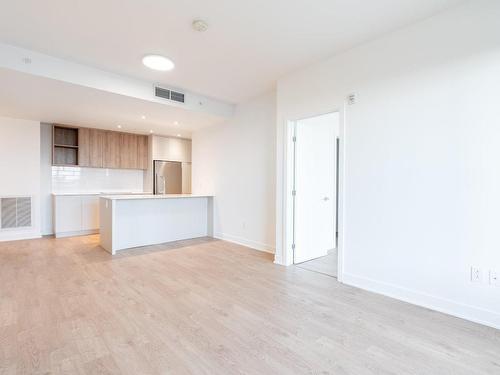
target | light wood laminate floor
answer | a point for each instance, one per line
(211, 307)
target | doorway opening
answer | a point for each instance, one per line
(315, 198)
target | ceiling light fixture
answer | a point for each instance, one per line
(178, 135)
(119, 126)
(151, 131)
(158, 62)
(200, 25)
(176, 122)
(143, 117)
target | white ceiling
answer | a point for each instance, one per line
(42, 99)
(249, 43)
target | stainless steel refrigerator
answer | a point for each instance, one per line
(167, 177)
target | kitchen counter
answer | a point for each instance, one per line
(151, 196)
(76, 193)
(128, 221)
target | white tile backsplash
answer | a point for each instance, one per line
(79, 179)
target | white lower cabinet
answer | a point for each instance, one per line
(75, 215)
(90, 212)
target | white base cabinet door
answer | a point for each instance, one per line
(76, 215)
(90, 212)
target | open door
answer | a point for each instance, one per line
(315, 200)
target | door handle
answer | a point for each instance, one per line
(326, 199)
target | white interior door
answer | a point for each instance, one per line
(315, 186)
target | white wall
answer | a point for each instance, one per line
(20, 170)
(422, 158)
(235, 161)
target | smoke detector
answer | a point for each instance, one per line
(200, 25)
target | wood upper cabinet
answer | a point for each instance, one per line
(84, 147)
(142, 152)
(133, 151)
(96, 156)
(128, 151)
(90, 147)
(100, 148)
(112, 154)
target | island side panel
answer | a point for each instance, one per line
(106, 224)
(142, 222)
(210, 216)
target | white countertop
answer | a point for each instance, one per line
(151, 196)
(76, 193)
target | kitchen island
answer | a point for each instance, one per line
(128, 221)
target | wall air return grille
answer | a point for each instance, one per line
(175, 96)
(15, 212)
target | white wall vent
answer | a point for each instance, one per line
(175, 96)
(15, 212)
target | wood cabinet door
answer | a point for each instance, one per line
(142, 152)
(112, 150)
(128, 151)
(124, 151)
(96, 147)
(84, 147)
(133, 147)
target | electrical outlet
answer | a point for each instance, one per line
(476, 275)
(494, 278)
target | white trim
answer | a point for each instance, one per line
(29, 235)
(342, 193)
(285, 255)
(443, 305)
(245, 242)
(76, 233)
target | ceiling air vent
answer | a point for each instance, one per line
(175, 96)
(162, 93)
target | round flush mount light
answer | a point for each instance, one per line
(119, 126)
(200, 25)
(158, 62)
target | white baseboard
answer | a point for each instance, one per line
(13, 236)
(245, 242)
(77, 233)
(472, 313)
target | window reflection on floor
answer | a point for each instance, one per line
(326, 265)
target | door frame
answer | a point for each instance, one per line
(288, 219)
